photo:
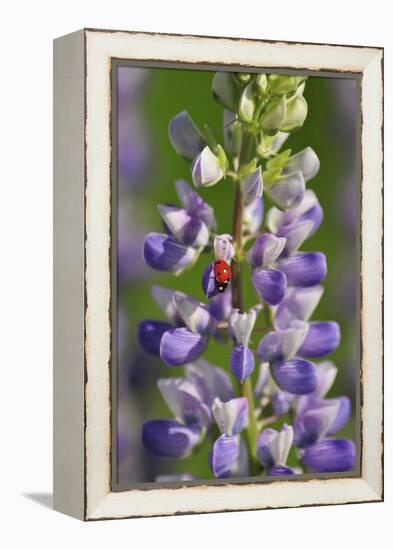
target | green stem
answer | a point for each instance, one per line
(246, 388)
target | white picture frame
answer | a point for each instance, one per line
(82, 252)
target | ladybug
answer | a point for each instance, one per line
(222, 274)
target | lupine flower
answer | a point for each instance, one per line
(273, 448)
(252, 186)
(185, 137)
(240, 327)
(206, 169)
(329, 455)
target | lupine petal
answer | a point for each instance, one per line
(263, 379)
(304, 268)
(212, 381)
(220, 306)
(164, 299)
(242, 362)
(195, 205)
(169, 439)
(185, 228)
(231, 416)
(281, 402)
(241, 325)
(205, 169)
(280, 471)
(282, 344)
(306, 161)
(330, 455)
(299, 303)
(295, 376)
(323, 337)
(308, 209)
(295, 234)
(265, 251)
(252, 186)
(343, 414)
(270, 284)
(150, 334)
(223, 248)
(195, 315)
(288, 191)
(209, 284)
(224, 456)
(273, 447)
(326, 374)
(184, 136)
(314, 424)
(181, 346)
(164, 253)
(185, 401)
(253, 216)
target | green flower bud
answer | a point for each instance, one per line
(296, 113)
(247, 103)
(274, 116)
(226, 91)
(243, 77)
(282, 84)
(261, 84)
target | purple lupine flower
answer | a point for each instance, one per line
(298, 304)
(252, 187)
(273, 448)
(224, 456)
(241, 325)
(211, 381)
(185, 137)
(288, 191)
(223, 250)
(329, 455)
(185, 401)
(305, 161)
(269, 282)
(169, 438)
(253, 216)
(206, 169)
(231, 416)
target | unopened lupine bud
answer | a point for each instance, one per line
(206, 169)
(296, 113)
(247, 103)
(261, 84)
(274, 116)
(226, 91)
(282, 84)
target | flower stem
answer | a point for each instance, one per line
(246, 389)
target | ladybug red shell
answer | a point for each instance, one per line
(222, 274)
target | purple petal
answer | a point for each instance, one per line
(195, 315)
(282, 344)
(295, 376)
(185, 401)
(326, 374)
(304, 268)
(280, 471)
(163, 297)
(205, 169)
(343, 415)
(211, 381)
(220, 306)
(181, 346)
(314, 215)
(308, 209)
(270, 284)
(224, 456)
(323, 337)
(306, 161)
(231, 416)
(265, 251)
(252, 186)
(168, 438)
(299, 303)
(288, 191)
(188, 229)
(242, 362)
(195, 205)
(295, 234)
(184, 136)
(253, 216)
(164, 253)
(150, 334)
(209, 284)
(330, 455)
(314, 423)
(273, 447)
(281, 402)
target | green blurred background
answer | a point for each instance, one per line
(144, 112)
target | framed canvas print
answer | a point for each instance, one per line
(218, 274)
